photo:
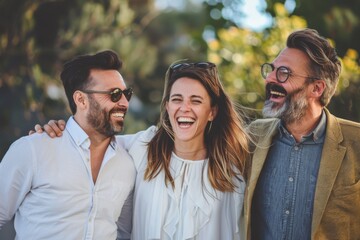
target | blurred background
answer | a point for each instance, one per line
(38, 36)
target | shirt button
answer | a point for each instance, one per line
(291, 179)
(296, 148)
(287, 212)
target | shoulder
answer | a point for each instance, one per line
(137, 144)
(36, 140)
(349, 124)
(21, 145)
(263, 127)
(349, 129)
(139, 138)
(24, 150)
(147, 134)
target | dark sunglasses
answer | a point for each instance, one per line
(182, 66)
(282, 73)
(115, 94)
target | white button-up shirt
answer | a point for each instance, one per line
(47, 184)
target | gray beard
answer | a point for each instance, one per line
(292, 110)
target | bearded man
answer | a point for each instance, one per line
(79, 185)
(304, 180)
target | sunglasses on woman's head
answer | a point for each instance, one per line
(181, 66)
(115, 94)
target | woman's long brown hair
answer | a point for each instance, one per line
(226, 140)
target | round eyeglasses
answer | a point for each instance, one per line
(115, 94)
(282, 73)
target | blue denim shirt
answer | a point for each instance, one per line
(284, 196)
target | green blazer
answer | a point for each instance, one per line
(336, 213)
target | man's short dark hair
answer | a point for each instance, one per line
(75, 75)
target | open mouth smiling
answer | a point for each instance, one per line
(118, 113)
(185, 121)
(275, 91)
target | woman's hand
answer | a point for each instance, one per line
(53, 128)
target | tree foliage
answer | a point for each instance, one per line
(336, 19)
(240, 53)
(37, 37)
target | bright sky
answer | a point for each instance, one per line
(254, 18)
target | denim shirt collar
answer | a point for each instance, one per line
(317, 135)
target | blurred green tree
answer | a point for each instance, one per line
(37, 37)
(239, 54)
(337, 19)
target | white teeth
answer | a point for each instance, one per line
(118, 114)
(277, 93)
(185, 119)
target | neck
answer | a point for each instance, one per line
(96, 139)
(190, 152)
(199, 154)
(305, 125)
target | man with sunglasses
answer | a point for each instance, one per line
(304, 181)
(75, 186)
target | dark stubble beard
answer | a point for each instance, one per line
(99, 119)
(292, 110)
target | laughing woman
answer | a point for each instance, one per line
(190, 167)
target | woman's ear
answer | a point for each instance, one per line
(167, 106)
(213, 113)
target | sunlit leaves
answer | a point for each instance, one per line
(351, 70)
(240, 53)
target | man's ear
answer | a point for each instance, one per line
(80, 99)
(318, 88)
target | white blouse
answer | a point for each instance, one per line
(193, 210)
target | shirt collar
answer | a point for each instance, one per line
(79, 135)
(319, 131)
(316, 135)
